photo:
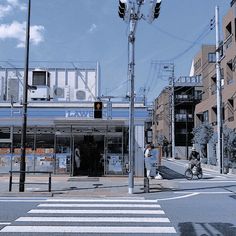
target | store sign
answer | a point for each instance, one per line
(79, 114)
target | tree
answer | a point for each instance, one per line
(202, 135)
(229, 143)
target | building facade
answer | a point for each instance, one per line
(63, 134)
(187, 93)
(206, 111)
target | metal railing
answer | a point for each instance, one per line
(49, 183)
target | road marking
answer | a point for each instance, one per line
(207, 181)
(223, 192)
(96, 219)
(101, 200)
(101, 205)
(10, 199)
(88, 229)
(179, 197)
(5, 223)
(141, 212)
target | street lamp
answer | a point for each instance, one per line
(25, 101)
(129, 12)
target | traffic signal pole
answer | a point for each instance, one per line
(133, 16)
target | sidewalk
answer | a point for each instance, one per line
(66, 186)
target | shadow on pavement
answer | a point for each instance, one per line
(203, 228)
(169, 174)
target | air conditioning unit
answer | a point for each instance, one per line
(80, 95)
(40, 93)
(13, 89)
(41, 80)
(61, 93)
(40, 77)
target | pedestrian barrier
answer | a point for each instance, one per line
(49, 183)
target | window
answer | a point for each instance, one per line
(205, 116)
(211, 57)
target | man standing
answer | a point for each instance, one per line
(150, 163)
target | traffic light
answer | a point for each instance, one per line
(154, 10)
(157, 9)
(98, 110)
(122, 8)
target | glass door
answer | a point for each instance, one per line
(63, 163)
(114, 158)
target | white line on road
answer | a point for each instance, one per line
(206, 192)
(15, 199)
(174, 198)
(5, 223)
(207, 181)
(141, 212)
(88, 229)
(100, 200)
(96, 219)
(101, 205)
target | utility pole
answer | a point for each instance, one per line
(219, 95)
(173, 111)
(25, 101)
(130, 13)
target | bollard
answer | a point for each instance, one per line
(146, 185)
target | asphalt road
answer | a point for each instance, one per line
(186, 208)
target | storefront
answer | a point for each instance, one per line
(64, 143)
(63, 133)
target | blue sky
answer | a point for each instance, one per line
(91, 30)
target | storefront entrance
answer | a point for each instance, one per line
(88, 155)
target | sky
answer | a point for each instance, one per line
(91, 30)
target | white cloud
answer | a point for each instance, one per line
(17, 30)
(6, 9)
(16, 4)
(92, 28)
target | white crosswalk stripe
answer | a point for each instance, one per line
(95, 216)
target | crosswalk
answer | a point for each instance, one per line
(94, 216)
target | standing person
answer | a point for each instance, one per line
(194, 158)
(150, 163)
(147, 159)
(77, 158)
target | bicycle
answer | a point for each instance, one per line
(195, 171)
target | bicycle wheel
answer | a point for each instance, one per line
(188, 174)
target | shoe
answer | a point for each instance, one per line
(158, 177)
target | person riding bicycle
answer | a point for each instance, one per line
(194, 159)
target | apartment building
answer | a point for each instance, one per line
(204, 65)
(187, 93)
